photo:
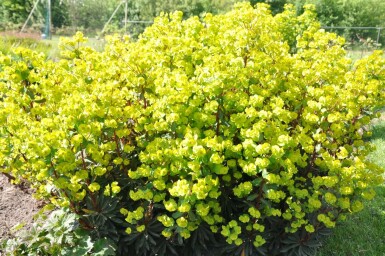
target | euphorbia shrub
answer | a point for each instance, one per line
(242, 129)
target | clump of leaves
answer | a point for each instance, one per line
(57, 234)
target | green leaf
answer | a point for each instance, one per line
(252, 197)
(256, 182)
(41, 100)
(176, 215)
(103, 247)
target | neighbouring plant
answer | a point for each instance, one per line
(237, 134)
(57, 234)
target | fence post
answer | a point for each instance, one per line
(29, 16)
(378, 35)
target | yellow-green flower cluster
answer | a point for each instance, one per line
(232, 231)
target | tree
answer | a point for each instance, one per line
(60, 13)
(89, 14)
(348, 13)
(14, 12)
(147, 10)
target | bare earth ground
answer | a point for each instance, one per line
(16, 206)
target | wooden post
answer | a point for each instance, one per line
(49, 20)
(29, 16)
(125, 17)
(113, 14)
(378, 35)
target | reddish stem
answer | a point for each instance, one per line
(117, 144)
(83, 161)
(260, 192)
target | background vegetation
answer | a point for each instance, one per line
(90, 16)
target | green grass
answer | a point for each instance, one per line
(357, 54)
(49, 47)
(9, 42)
(378, 139)
(55, 51)
(363, 234)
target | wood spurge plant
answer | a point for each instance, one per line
(237, 134)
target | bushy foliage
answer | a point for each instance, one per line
(14, 12)
(242, 129)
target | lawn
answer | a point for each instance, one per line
(363, 234)
(49, 46)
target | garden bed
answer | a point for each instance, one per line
(17, 206)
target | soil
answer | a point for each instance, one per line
(17, 206)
